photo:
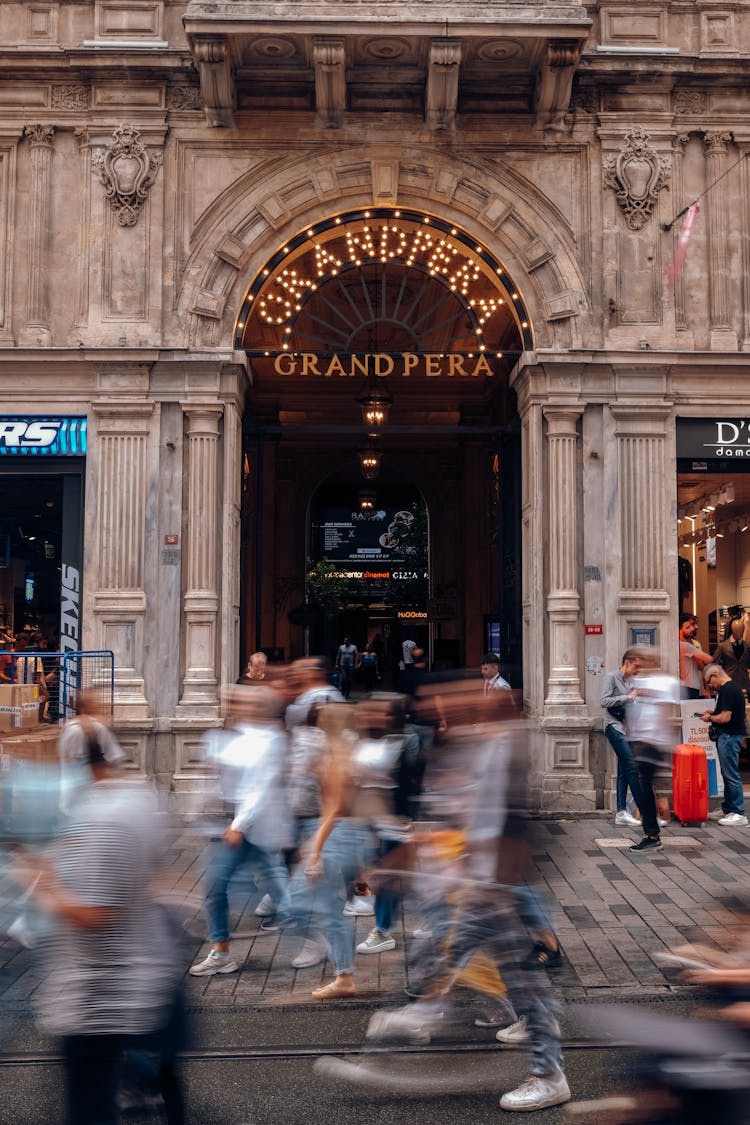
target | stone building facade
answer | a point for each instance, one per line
(155, 156)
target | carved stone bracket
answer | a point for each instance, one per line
(127, 170)
(442, 83)
(555, 82)
(329, 57)
(217, 82)
(637, 175)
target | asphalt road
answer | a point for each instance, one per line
(264, 1068)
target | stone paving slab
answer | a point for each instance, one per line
(612, 909)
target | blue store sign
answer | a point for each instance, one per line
(42, 437)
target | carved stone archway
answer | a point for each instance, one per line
(504, 210)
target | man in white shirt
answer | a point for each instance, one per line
(490, 667)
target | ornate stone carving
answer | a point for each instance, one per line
(585, 101)
(127, 171)
(689, 101)
(637, 175)
(716, 143)
(70, 97)
(183, 97)
(40, 134)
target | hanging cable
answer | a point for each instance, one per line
(668, 226)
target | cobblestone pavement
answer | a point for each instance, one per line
(612, 910)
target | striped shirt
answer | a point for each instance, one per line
(119, 979)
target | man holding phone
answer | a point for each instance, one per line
(728, 716)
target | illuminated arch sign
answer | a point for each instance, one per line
(25, 436)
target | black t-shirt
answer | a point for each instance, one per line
(730, 698)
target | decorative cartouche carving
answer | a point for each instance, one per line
(70, 97)
(183, 97)
(689, 101)
(127, 171)
(637, 175)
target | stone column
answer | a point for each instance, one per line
(566, 782)
(201, 603)
(36, 331)
(723, 336)
(122, 468)
(563, 597)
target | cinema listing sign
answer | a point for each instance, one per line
(382, 364)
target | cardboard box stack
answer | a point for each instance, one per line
(26, 699)
(11, 716)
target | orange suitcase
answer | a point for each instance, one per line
(690, 784)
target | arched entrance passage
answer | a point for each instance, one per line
(369, 570)
(384, 339)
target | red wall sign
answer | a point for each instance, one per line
(171, 540)
(593, 630)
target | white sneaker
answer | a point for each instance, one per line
(216, 962)
(360, 906)
(734, 818)
(414, 1022)
(662, 823)
(376, 942)
(313, 951)
(538, 1093)
(717, 814)
(515, 1033)
(625, 818)
(265, 908)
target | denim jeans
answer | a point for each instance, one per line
(627, 770)
(728, 748)
(226, 861)
(387, 896)
(347, 850)
(491, 923)
(532, 910)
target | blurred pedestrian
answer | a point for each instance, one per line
(652, 726)
(341, 847)
(108, 974)
(308, 685)
(252, 763)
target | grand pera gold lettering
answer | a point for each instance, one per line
(382, 364)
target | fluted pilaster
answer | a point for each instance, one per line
(121, 453)
(678, 158)
(716, 204)
(201, 597)
(644, 530)
(563, 598)
(36, 331)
